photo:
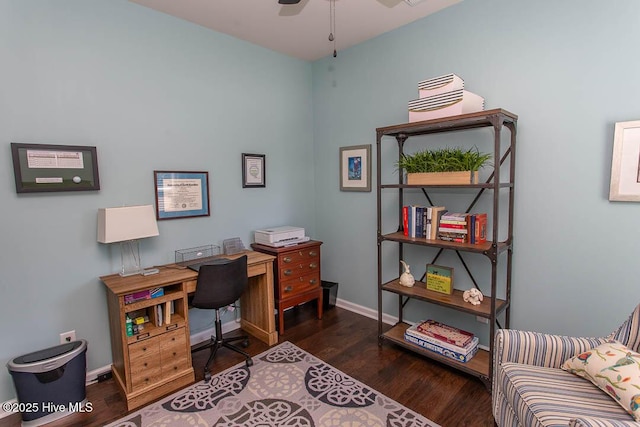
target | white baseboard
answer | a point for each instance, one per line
(366, 311)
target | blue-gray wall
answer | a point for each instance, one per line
(152, 92)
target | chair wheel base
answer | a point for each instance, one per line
(249, 363)
(207, 376)
(245, 343)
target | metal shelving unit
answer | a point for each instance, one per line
(495, 250)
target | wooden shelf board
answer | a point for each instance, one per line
(419, 291)
(466, 247)
(446, 124)
(477, 366)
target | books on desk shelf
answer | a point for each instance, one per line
(143, 295)
(461, 354)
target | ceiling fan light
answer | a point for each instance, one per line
(288, 1)
(413, 2)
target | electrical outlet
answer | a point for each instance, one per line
(66, 337)
(482, 320)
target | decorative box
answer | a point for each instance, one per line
(446, 104)
(439, 85)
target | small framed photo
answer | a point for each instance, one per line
(355, 168)
(45, 167)
(439, 279)
(625, 164)
(181, 194)
(253, 170)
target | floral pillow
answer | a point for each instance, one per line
(615, 369)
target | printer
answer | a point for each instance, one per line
(280, 236)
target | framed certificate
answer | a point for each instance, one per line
(181, 194)
(45, 167)
(253, 170)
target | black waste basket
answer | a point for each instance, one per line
(50, 383)
(329, 294)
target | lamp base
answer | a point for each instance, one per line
(130, 257)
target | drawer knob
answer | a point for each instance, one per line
(300, 266)
(145, 364)
(144, 348)
(313, 253)
(173, 339)
(312, 281)
(313, 265)
(300, 253)
(286, 259)
(288, 288)
(287, 272)
(174, 353)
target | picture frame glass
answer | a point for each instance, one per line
(181, 194)
(355, 168)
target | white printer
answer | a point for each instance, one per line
(280, 236)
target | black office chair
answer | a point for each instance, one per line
(219, 285)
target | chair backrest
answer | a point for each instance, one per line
(220, 284)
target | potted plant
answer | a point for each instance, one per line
(443, 166)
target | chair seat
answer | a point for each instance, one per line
(542, 396)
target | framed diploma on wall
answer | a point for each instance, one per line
(181, 194)
(45, 167)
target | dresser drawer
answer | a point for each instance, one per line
(145, 366)
(301, 256)
(298, 269)
(299, 285)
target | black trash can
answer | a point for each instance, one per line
(329, 294)
(50, 383)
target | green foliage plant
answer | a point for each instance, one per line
(443, 160)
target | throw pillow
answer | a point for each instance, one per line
(615, 369)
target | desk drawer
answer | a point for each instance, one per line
(173, 348)
(144, 358)
(298, 285)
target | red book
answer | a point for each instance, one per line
(481, 228)
(405, 220)
(445, 333)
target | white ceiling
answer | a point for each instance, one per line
(301, 30)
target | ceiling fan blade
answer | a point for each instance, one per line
(288, 1)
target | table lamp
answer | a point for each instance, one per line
(126, 225)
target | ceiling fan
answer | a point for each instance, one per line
(288, 1)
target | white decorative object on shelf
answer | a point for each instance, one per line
(406, 278)
(472, 296)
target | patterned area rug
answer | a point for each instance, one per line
(286, 386)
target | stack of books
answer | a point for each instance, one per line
(445, 340)
(443, 96)
(463, 227)
(421, 221)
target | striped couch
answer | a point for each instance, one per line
(529, 389)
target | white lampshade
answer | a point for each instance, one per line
(126, 223)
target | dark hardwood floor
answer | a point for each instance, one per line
(348, 342)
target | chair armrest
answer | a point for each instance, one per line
(601, 422)
(538, 349)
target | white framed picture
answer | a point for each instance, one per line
(625, 164)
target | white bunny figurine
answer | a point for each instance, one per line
(472, 296)
(406, 278)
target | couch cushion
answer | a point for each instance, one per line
(614, 368)
(547, 396)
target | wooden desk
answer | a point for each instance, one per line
(157, 361)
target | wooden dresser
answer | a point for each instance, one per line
(297, 276)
